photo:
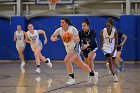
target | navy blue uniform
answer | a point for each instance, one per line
(89, 37)
(120, 39)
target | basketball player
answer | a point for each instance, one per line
(109, 38)
(88, 43)
(121, 41)
(20, 44)
(72, 49)
(32, 37)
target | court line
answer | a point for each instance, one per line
(4, 76)
(79, 82)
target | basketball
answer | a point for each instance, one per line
(66, 37)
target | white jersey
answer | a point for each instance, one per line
(109, 40)
(34, 38)
(20, 38)
(71, 45)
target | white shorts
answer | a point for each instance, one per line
(18, 46)
(34, 46)
(107, 50)
(75, 47)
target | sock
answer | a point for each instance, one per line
(91, 73)
(71, 75)
(38, 66)
(46, 61)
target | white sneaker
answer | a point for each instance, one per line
(89, 79)
(49, 63)
(115, 78)
(22, 64)
(71, 81)
(95, 77)
(38, 70)
(108, 70)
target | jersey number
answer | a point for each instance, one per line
(110, 40)
(33, 39)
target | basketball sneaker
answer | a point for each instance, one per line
(115, 78)
(49, 64)
(71, 81)
(22, 64)
(94, 78)
(38, 70)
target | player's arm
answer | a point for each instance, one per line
(124, 39)
(81, 41)
(26, 38)
(116, 42)
(54, 36)
(101, 40)
(15, 37)
(76, 38)
(24, 35)
(76, 35)
(44, 34)
(80, 38)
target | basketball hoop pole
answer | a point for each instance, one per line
(52, 4)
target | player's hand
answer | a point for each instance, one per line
(55, 39)
(87, 44)
(45, 41)
(101, 48)
(112, 54)
(121, 44)
(84, 46)
(32, 42)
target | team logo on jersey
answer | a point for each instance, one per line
(33, 38)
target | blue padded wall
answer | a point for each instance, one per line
(4, 38)
(138, 37)
(128, 26)
(55, 50)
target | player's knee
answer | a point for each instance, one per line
(90, 58)
(36, 54)
(109, 58)
(19, 52)
(66, 60)
(95, 55)
(117, 57)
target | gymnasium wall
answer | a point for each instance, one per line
(55, 50)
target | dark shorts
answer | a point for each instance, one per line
(108, 55)
(87, 51)
(119, 48)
